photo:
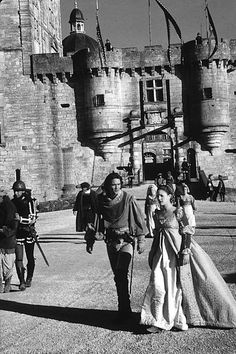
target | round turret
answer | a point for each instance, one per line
(205, 92)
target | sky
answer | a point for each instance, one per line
(126, 22)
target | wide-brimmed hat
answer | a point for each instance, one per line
(85, 185)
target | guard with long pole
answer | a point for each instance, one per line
(31, 220)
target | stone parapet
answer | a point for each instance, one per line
(46, 64)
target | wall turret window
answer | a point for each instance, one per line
(99, 100)
(153, 90)
(207, 93)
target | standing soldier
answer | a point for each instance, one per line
(26, 234)
(121, 221)
(220, 189)
(185, 169)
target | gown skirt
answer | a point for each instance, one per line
(193, 294)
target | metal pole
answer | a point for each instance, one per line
(206, 4)
(149, 22)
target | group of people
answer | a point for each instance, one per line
(185, 287)
(181, 195)
(17, 234)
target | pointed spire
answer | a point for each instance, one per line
(76, 4)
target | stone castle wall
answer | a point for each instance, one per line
(47, 105)
(39, 123)
(37, 113)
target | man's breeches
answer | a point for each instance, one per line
(120, 261)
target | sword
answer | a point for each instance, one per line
(132, 269)
(41, 251)
(33, 216)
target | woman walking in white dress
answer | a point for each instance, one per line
(187, 202)
(185, 288)
(151, 204)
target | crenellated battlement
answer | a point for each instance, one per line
(153, 60)
(52, 66)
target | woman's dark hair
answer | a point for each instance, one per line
(169, 190)
(109, 178)
(166, 188)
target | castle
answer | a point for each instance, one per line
(67, 116)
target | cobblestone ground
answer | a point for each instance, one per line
(71, 304)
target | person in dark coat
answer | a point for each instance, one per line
(221, 188)
(160, 180)
(130, 175)
(84, 207)
(185, 169)
(211, 189)
(8, 226)
(179, 189)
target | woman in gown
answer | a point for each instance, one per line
(151, 204)
(187, 202)
(185, 287)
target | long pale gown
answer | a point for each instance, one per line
(193, 294)
(187, 202)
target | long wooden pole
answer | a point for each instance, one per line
(207, 35)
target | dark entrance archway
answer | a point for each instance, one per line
(149, 166)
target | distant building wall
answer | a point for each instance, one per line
(63, 119)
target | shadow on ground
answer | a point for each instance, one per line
(209, 227)
(89, 317)
(229, 278)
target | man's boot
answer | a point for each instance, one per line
(122, 286)
(30, 272)
(21, 276)
(1, 286)
(7, 287)
(28, 282)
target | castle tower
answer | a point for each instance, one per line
(205, 93)
(98, 93)
(78, 39)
